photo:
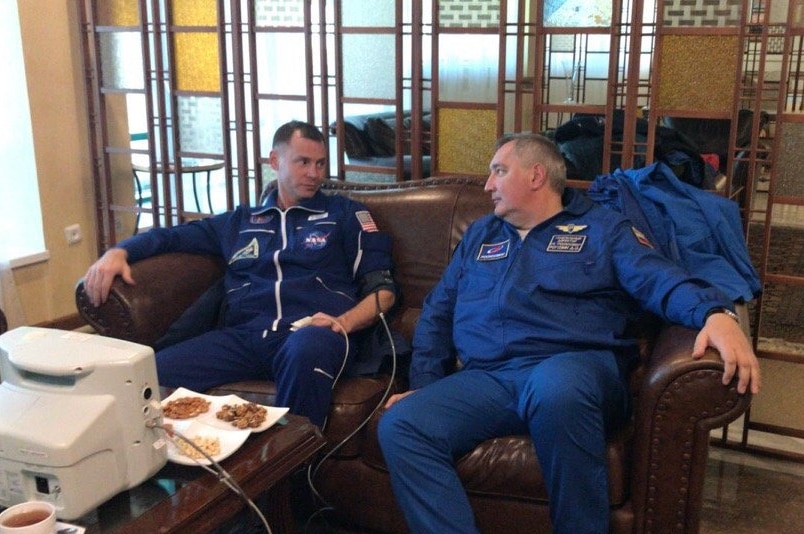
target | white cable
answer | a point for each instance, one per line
(218, 470)
(345, 355)
(312, 471)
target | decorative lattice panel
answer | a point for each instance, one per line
(695, 13)
(462, 14)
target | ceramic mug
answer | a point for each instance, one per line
(32, 517)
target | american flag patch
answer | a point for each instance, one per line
(366, 222)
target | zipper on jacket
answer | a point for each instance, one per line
(283, 221)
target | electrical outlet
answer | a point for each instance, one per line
(73, 234)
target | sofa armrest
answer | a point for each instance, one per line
(680, 401)
(166, 285)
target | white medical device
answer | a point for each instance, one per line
(73, 414)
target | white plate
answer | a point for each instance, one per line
(230, 441)
(207, 424)
(273, 414)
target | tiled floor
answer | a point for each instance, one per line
(749, 494)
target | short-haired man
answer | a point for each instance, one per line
(534, 305)
(302, 253)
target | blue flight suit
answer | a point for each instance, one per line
(539, 328)
(699, 230)
(282, 266)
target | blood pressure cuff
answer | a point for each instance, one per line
(376, 263)
(376, 280)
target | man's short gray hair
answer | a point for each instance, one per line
(533, 148)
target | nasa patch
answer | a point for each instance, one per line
(315, 240)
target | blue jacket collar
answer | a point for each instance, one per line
(316, 203)
(576, 202)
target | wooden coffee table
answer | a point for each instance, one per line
(181, 499)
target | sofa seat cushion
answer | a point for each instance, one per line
(507, 467)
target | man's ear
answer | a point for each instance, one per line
(538, 176)
(273, 159)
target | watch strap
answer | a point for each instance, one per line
(723, 310)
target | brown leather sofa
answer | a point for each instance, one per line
(657, 462)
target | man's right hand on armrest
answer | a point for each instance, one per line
(101, 274)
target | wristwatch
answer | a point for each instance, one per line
(723, 310)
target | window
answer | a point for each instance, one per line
(21, 221)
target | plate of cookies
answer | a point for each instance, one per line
(217, 424)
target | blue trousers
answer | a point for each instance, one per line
(567, 403)
(304, 364)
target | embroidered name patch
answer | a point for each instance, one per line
(566, 243)
(494, 251)
(260, 219)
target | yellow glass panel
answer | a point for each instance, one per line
(697, 72)
(118, 13)
(194, 12)
(466, 140)
(197, 62)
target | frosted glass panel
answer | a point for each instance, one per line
(281, 64)
(121, 57)
(279, 12)
(467, 68)
(200, 128)
(369, 66)
(780, 403)
(274, 114)
(797, 17)
(578, 13)
(381, 13)
(790, 161)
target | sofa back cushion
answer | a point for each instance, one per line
(426, 224)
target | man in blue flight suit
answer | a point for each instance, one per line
(534, 307)
(301, 254)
